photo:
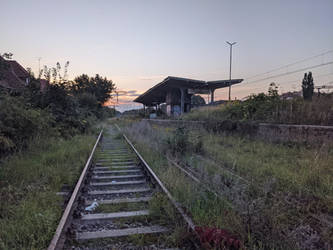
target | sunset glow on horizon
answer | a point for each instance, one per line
(137, 44)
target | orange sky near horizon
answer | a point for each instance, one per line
(137, 44)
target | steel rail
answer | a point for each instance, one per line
(165, 190)
(195, 179)
(192, 177)
(186, 172)
(187, 219)
(58, 238)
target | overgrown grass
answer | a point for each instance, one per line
(30, 209)
(164, 213)
(275, 189)
(205, 208)
(269, 108)
(287, 185)
(288, 167)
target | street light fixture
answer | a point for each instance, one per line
(230, 68)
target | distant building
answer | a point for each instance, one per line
(13, 75)
(291, 95)
(43, 85)
(176, 93)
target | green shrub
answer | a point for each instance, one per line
(268, 108)
(178, 142)
(197, 144)
(19, 123)
(30, 209)
(63, 109)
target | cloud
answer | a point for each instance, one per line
(125, 97)
(128, 106)
(123, 104)
(132, 93)
(120, 92)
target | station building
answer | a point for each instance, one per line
(176, 93)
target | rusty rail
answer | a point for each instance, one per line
(187, 219)
(58, 238)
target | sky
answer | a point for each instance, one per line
(138, 43)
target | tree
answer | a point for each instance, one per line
(98, 86)
(54, 73)
(4, 65)
(307, 86)
(273, 90)
(8, 56)
(197, 100)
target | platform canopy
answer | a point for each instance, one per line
(157, 94)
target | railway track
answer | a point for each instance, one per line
(119, 203)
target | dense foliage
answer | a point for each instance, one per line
(197, 101)
(271, 108)
(275, 190)
(63, 109)
(19, 122)
(307, 86)
(30, 209)
(98, 86)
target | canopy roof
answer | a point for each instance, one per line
(157, 94)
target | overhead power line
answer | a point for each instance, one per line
(292, 72)
(315, 78)
(282, 83)
(300, 80)
(238, 88)
(291, 64)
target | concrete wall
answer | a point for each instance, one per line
(177, 123)
(296, 133)
(271, 132)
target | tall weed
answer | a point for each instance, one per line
(270, 108)
(29, 207)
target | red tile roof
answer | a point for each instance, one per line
(18, 69)
(13, 76)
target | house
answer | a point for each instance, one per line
(13, 75)
(176, 93)
(291, 95)
(43, 85)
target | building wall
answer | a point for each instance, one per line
(173, 99)
(269, 132)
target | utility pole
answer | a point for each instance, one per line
(230, 68)
(39, 58)
(117, 93)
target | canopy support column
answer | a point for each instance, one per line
(182, 100)
(212, 96)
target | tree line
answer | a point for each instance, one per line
(63, 109)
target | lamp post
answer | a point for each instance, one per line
(39, 58)
(230, 68)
